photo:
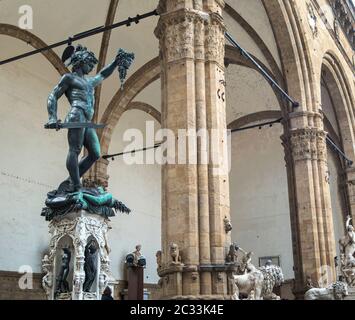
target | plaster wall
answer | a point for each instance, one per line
(337, 208)
(259, 196)
(139, 187)
(327, 108)
(32, 162)
(247, 92)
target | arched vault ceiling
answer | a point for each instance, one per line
(73, 17)
(247, 92)
(262, 37)
(248, 22)
(56, 20)
(35, 42)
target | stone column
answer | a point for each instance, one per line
(218, 174)
(202, 145)
(179, 190)
(310, 207)
(195, 196)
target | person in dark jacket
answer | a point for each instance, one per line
(107, 294)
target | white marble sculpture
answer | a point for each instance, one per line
(256, 283)
(174, 254)
(78, 228)
(47, 280)
(347, 251)
(336, 291)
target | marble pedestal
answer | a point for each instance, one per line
(135, 283)
(74, 231)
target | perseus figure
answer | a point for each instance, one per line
(79, 90)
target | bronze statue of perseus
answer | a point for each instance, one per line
(79, 90)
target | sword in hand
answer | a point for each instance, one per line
(72, 125)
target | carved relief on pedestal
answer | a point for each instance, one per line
(47, 280)
(88, 257)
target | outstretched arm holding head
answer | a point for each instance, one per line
(104, 73)
(123, 61)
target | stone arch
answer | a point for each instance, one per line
(121, 100)
(338, 88)
(289, 50)
(258, 41)
(343, 103)
(291, 45)
(309, 196)
(254, 117)
(339, 163)
(145, 76)
(145, 107)
(233, 56)
(35, 42)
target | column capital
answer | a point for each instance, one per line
(304, 118)
(215, 41)
(176, 32)
(306, 144)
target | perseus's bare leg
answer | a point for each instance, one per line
(92, 144)
(75, 139)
